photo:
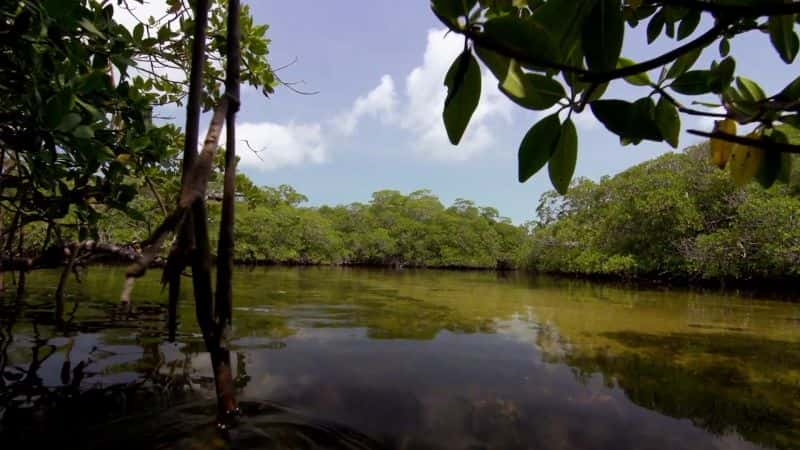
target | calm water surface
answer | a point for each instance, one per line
(346, 358)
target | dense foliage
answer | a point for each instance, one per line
(392, 229)
(79, 93)
(674, 216)
(560, 56)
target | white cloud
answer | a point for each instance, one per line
(266, 145)
(583, 121)
(707, 123)
(419, 110)
(141, 13)
(425, 95)
(380, 101)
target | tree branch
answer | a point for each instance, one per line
(685, 109)
(762, 144)
(762, 9)
(593, 76)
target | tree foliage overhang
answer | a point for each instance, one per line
(80, 96)
(562, 54)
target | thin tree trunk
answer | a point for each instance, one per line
(156, 195)
(22, 273)
(223, 311)
(62, 282)
(178, 257)
(2, 170)
(224, 294)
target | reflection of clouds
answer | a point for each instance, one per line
(461, 391)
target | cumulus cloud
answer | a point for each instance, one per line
(419, 110)
(379, 102)
(267, 145)
(425, 95)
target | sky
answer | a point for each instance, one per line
(376, 71)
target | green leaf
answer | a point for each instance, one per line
(791, 92)
(69, 122)
(750, 90)
(562, 163)
(138, 32)
(693, 82)
(528, 90)
(524, 37)
(640, 79)
(603, 34)
(783, 37)
(498, 64)
(564, 20)
(689, 24)
(463, 83)
(615, 115)
(668, 121)
(630, 121)
(769, 169)
(537, 146)
(83, 132)
(724, 47)
(684, 63)
(64, 12)
(57, 108)
(654, 27)
(91, 28)
(789, 131)
(533, 91)
(643, 122)
(722, 75)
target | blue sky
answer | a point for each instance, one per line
(375, 122)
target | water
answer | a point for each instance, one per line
(345, 358)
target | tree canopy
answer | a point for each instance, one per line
(561, 55)
(79, 93)
(673, 217)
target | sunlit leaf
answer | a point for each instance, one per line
(640, 79)
(720, 149)
(750, 89)
(745, 161)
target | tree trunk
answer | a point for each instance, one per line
(223, 310)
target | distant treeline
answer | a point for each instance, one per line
(676, 216)
(392, 229)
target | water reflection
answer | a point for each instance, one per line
(329, 358)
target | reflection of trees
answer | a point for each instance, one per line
(721, 382)
(88, 394)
